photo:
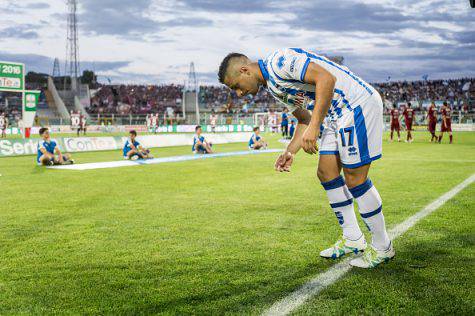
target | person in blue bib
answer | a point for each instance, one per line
(257, 142)
(292, 129)
(200, 144)
(48, 152)
(133, 150)
(284, 124)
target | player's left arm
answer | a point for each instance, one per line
(324, 83)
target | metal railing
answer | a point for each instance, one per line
(222, 119)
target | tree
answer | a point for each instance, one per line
(88, 77)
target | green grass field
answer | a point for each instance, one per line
(228, 235)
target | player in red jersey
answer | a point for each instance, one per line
(446, 121)
(432, 120)
(395, 126)
(408, 118)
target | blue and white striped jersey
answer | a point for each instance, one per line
(284, 70)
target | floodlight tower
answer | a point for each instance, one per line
(191, 86)
(56, 72)
(72, 50)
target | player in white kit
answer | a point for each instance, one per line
(75, 122)
(3, 125)
(213, 120)
(348, 113)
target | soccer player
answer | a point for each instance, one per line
(133, 150)
(408, 119)
(284, 125)
(351, 112)
(257, 142)
(82, 124)
(395, 126)
(446, 121)
(75, 122)
(213, 120)
(47, 149)
(432, 121)
(3, 125)
(154, 122)
(200, 145)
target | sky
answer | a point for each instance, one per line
(154, 41)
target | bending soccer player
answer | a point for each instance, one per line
(48, 152)
(257, 142)
(133, 150)
(200, 144)
(351, 112)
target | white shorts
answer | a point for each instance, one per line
(357, 137)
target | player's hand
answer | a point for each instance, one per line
(284, 161)
(309, 139)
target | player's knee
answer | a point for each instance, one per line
(354, 178)
(44, 160)
(324, 176)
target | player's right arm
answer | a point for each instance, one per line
(284, 161)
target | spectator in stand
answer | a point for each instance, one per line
(142, 99)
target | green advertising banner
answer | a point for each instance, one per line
(31, 100)
(12, 76)
(19, 147)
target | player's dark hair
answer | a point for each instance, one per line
(133, 132)
(409, 104)
(255, 128)
(223, 68)
(197, 127)
(445, 103)
(43, 130)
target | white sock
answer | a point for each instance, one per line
(370, 207)
(341, 202)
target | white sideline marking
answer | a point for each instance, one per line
(321, 281)
(128, 163)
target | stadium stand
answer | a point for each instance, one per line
(141, 99)
(138, 100)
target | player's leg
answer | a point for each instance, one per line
(67, 159)
(398, 133)
(340, 199)
(208, 146)
(392, 132)
(341, 202)
(45, 160)
(370, 207)
(131, 153)
(361, 142)
(429, 128)
(257, 146)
